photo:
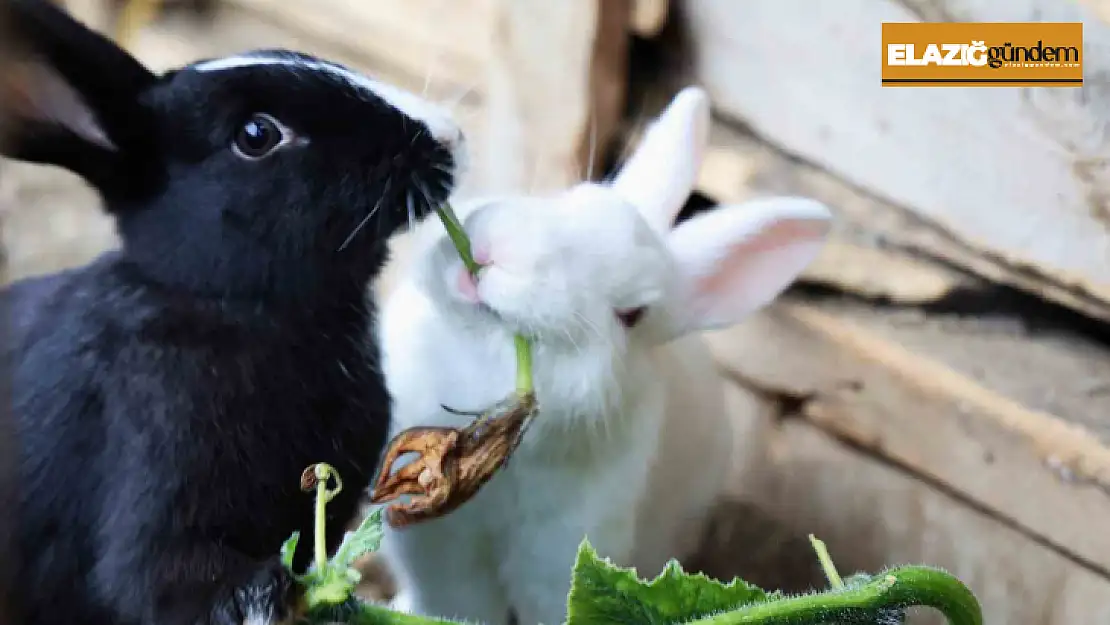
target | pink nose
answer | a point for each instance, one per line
(481, 256)
(468, 286)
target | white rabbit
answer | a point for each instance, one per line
(632, 440)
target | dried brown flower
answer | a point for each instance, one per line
(453, 463)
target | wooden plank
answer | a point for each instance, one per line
(878, 249)
(1016, 175)
(544, 115)
(881, 274)
(441, 41)
(873, 515)
(649, 16)
(738, 166)
(1006, 421)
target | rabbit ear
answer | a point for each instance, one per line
(71, 95)
(664, 168)
(736, 259)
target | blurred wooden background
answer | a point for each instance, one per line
(937, 388)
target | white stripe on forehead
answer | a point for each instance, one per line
(437, 119)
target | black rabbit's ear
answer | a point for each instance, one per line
(71, 95)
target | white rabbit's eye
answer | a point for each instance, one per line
(258, 136)
(629, 318)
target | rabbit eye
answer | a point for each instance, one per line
(258, 136)
(629, 318)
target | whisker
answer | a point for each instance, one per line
(378, 230)
(589, 325)
(428, 75)
(592, 151)
(437, 49)
(638, 131)
(426, 193)
(412, 210)
(444, 186)
(369, 216)
(570, 337)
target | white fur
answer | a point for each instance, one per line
(437, 119)
(632, 442)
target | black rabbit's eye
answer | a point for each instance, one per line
(258, 136)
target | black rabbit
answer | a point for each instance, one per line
(168, 395)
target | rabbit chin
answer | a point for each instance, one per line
(557, 327)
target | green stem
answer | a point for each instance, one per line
(902, 587)
(898, 588)
(524, 384)
(323, 472)
(319, 544)
(826, 562)
(455, 231)
(458, 237)
(370, 614)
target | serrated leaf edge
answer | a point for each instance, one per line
(672, 569)
(344, 555)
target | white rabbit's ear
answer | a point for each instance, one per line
(735, 259)
(661, 173)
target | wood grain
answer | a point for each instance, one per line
(442, 41)
(555, 87)
(870, 378)
(872, 514)
(1020, 176)
(878, 248)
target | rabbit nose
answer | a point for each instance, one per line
(481, 256)
(467, 285)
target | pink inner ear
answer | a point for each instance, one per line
(755, 271)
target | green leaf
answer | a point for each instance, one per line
(604, 593)
(365, 539)
(288, 548)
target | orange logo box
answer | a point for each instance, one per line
(966, 54)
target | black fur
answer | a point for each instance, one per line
(168, 395)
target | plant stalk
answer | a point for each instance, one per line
(901, 587)
(319, 544)
(371, 614)
(458, 237)
(826, 562)
(323, 473)
(524, 383)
